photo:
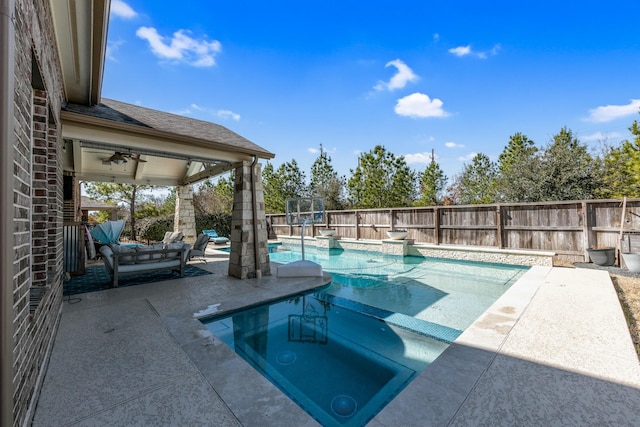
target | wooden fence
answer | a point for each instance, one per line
(567, 228)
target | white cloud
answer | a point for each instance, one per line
(223, 114)
(451, 144)
(112, 48)
(436, 37)
(228, 114)
(122, 9)
(601, 136)
(400, 79)
(609, 113)
(468, 157)
(423, 158)
(461, 51)
(419, 106)
(181, 47)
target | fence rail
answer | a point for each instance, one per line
(568, 228)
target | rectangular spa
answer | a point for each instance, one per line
(344, 352)
(306, 347)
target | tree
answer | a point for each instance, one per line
(119, 193)
(432, 183)
(477, 182)
(517, 167)
(157, 205)
(381, 181)
(326, 183)
(567, 170)
(621, 168)
(279, 185)
(215, 196)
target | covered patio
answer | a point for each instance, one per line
(122, 143)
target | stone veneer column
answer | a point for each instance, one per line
(185, 215)
(242, 260)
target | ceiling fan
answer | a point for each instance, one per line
(119, 158)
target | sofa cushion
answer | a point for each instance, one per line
(149, 258)
(150, 266)
(106, 253)
(122, 250)
(171, 237)
(175, 245)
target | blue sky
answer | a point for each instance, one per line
(457, 77)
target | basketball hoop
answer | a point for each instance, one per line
(303, 211)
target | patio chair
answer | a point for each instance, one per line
(199, 247)
(213, 236)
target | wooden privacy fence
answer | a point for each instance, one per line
(568, 228)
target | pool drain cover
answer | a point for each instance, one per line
(286, 357)
(344, 406)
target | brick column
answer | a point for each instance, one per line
(185, 216)
(242, 260)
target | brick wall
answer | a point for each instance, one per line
(37, 234)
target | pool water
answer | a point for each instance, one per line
(342, 353)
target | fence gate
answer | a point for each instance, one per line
(74, 249)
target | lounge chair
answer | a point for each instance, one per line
(213, 237)
(199, 247)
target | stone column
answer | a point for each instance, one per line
(242, 260)
(185, 216)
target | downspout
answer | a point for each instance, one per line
(7, 76)
(254, 205)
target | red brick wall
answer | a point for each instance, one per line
(37, 234)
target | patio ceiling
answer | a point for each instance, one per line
(154, 147)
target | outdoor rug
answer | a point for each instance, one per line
(96, 278)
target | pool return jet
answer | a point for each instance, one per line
(302, 211)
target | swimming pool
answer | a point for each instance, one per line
(344, 352)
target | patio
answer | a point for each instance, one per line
(553, 350)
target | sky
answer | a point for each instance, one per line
(453, 78)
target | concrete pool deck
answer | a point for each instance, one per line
(553, 350)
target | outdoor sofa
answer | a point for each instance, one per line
(120, 260)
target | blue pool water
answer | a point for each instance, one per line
(344, 352)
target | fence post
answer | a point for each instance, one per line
(392, 219)
(587, 225)
(499, 228)
(436, 225)
(357, 225)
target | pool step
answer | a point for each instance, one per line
(423, 327)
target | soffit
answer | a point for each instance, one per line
(80, 28)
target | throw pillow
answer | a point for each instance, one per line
(175, 245)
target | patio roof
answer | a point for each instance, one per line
(118, 142)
